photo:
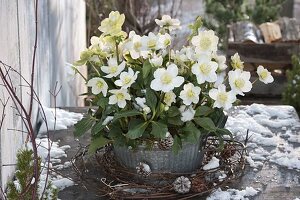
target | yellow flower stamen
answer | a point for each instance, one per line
(205, 69)
(120, 96)
(190, 93)
(127, 80)
(205, 43)
(166, 79)
(264, 74)
(151, 44)
(99, 84)
(113, 69)
(239, 83)
(137, 46)
(222, 97)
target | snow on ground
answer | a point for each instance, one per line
(62, 121)
(274, 137)
(212, 164)
(56, 153)
(261, 121)
(232, 194)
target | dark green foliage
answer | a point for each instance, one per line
(23, 175)
(224, 12)
(265, 11)
(291, 94)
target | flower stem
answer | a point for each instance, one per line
(94, 67)
(254, 81)
(117, 53)
(77, 71)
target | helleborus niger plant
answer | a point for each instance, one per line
(143, 89)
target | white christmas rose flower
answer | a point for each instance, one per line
(167, 22)
(221, 60)
(98, 86)
(222, 98)
(113, 69)
(150, 42)
(156, 61)
(220, 79)
(164, 40)
(127, 78)
(187, 113)
(236, 62)
(206, 42)
(205, 70)
(166, 79)
(113, 24)
(169, 98)
(264, 75)
(190, 94)
(136, 48)
(141, 102)
(239, 81)
(119, 97)
(95, 41)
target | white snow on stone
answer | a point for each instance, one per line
(253, 163)
(212, 164)
(261, 121)
(56, 153)
(62, 183)
(233, 194)
(62, 121)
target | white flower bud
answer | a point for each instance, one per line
(146, 110)
(166, 108)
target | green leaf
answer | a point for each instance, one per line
(103, 102)
(224, 131)
(98, 142)
(82, 126)
(115, 131)
(159, 129)
(177, 145)
(80, 62)
(136, 128)
(206, 123)
(127, 113)
(97, 128)
(222, 121)
(203, 111)
(151, 99)
(146, 69)
(191, 132)
(116, 134)
(175, 121)
(173, 111)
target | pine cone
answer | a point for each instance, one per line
(143, 169)
(182, 185)
(228, 151)
(199, 184)
(167, 143)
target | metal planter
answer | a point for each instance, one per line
(188, 159)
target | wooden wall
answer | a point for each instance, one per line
(61, 37)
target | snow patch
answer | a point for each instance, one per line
(212, 164)
(62, 121)
(231, 194)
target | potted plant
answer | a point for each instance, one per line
(157, 105)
